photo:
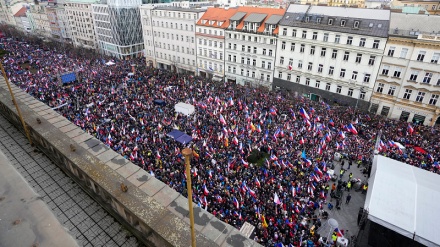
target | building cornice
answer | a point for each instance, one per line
(413, 41)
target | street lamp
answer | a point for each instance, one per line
(187, 152)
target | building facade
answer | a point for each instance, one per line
(408, 84)
(251, 44)
(21, 20)
(170, 36)
(38, 19)
(81, 22)
(331, 53)
(210, 36)
(118, 28)
(432, 6)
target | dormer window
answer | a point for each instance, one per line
(318, 20)
(307, 19)
(356, 24)
(203, 21)
(343, 22)
(330, 21)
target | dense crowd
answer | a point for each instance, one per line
(282, 197)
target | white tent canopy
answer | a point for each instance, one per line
(405, 199)
(110, 63)
(184, 108)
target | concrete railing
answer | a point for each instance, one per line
(156, 214)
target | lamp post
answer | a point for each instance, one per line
(13, 99)
(188, 153)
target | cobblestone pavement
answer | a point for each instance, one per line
(82, 217)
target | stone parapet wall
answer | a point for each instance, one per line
(156, 214)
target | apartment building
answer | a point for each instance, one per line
(408, 84)
(118, 28)
(432, 6)
(332, 53)
(21, 21)
(251, 45)
(210, 36)
(170, 36)
(81, 22)
(38, 19)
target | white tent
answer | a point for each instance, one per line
(405, 199)
(110, 63)
(184, 108)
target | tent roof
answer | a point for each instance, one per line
(405, 199)
(180, 136)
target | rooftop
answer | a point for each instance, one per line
(21, 12)
(371, 22)
(217, 17)
(259, 15)
(402, 24)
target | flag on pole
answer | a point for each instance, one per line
(276, 199)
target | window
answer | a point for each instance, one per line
(358, 58)
(362, 42)
(342, 73)
(362, 95)
(283, 45)
(350, 92)
(292, 47)
(376, 44)
(284, 31)
(354, 76)
(317, 84)
(407, 94)
(308, 81)
(421, 56)
(320, 68)
(391, 90)
(264, 51)
(372, 59)
(253, 74)
(327, 86)
(254, 62)
(349, 40)
(255, 50)
(270, 52)
(413, 76)
(331, 70)
(315, 35)
(391, 51)
(248, 61)
(380, 87)
(293, 33)
(427, 78)
(235, 59)
(249, 49)
(356, 24)
(298, 79)
(242, 72)
(242, 60)
(300, 64)
(346, 56)
(334, 53)
(243, 48)
(262, 76)
(234, 70)
(325, 38)
(263, 64)
(330, 21)
(343, 22)
(420, 96)
(397, 72)
(235, 46)
(312, 50)
(403, 52)
(337, 39)
(323, 51)
(302, 48)
(291, 61)
(280, 74)
(304, 34)
(229, 69)
(339, 89)
(434, 99)
(269, 65)
(435, 58)
(367, 78)
(385, 69)
(281, 60)
(309, 66)
(289, 77)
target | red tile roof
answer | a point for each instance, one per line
(214, 16)
(21, 12)
(251, 10)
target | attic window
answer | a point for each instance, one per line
(330, 21)
(356, 24)
(204, 21)
(307, 19)
(343, 22)
(318, 20)
(379, 25)
(371, 25)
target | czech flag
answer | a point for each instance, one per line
(304, 114)
(252, 193)
(273, 157)
(430, 157)
(210, 174)
(341, 134)
(352, 129)
(276, 199)
(301, 141)
(339, 233)
(205, 190)
(257, 182)
(235, 202)
(410, 129)
(222, 120)
(317, 170)
(320, 150)
(331, 122)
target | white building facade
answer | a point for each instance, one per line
(169, 37)
(251, 44)
(38, 19)
(408, 84)
(331, 53)
(81, 22)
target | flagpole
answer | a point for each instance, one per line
(187, 152)
(15, 103)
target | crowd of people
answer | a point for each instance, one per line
(281, 196)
